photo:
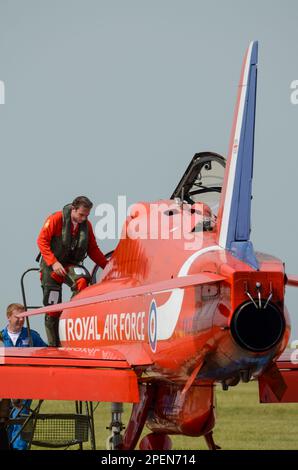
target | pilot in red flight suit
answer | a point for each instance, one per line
(64, 241)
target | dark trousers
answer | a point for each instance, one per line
(52, 294)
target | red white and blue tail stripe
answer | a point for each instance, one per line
(235, 207)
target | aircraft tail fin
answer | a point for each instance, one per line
(235, 205)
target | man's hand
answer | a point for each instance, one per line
(58, 269)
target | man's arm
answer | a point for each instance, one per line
(37, 340)
(93, 251)
(49, 229)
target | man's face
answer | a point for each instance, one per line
(80, 214)
(15, 324)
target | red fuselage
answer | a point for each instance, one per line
(193, 325)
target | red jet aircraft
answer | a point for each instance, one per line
(173, 315)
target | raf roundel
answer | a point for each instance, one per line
(152, 325)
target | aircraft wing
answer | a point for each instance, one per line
(280, 385)
(95, 374)
(292, 280)
(169, 284)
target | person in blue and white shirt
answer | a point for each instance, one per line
(16, 335)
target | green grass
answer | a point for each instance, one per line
(242, 422)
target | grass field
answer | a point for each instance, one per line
(242, 422)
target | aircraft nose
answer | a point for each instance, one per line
(257, 326)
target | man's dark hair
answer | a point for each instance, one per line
(82, 201)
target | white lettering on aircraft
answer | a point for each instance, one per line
(78, 329)
(126, 326)
(123, 326)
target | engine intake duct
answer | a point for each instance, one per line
(257, 326)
